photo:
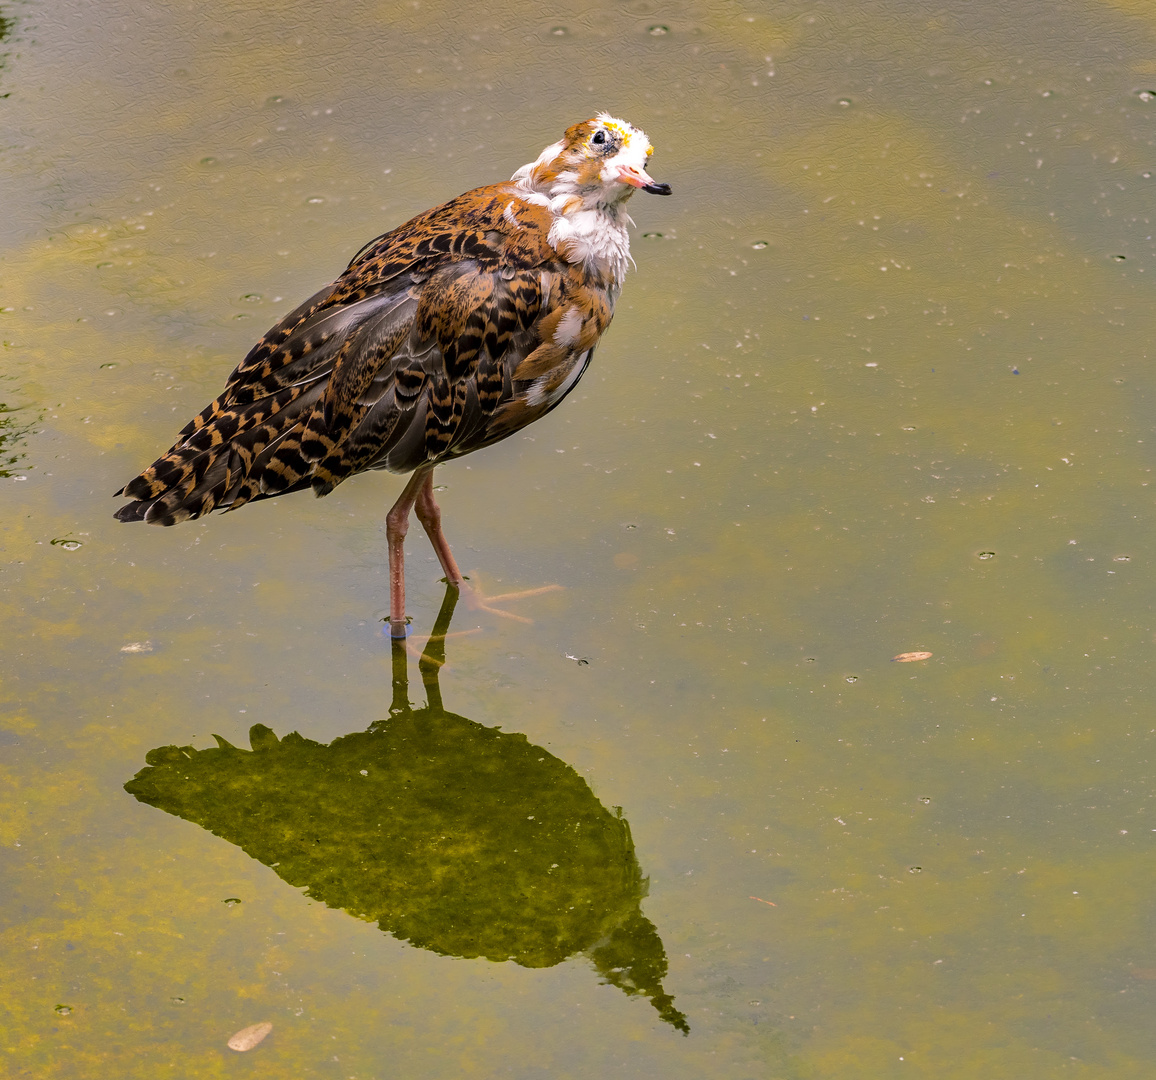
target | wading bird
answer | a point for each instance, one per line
(449, 333)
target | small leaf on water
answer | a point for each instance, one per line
(247, 1038)
(908, 657)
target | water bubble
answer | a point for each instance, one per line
(66, 543)
(754, 1002)
(231, 901)
(652, 236)
(758, 245)
(177, 1000)
(275, 99)
(811, 659)
(852, 678)
(315, 199)
(252, 297)
(208, 161)
(658, 30)
(1047, 93)
(924, 799)
(915, 869)
(1146, 95)
(1146, 175)
(559, 31)
(844, 103)
(909, 428)
(110, 364)
(103, 265)
(63, 1010)
(985, 555)
(1121, 558)
(1119, 258)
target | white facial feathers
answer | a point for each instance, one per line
(584, 180)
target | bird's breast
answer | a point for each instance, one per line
(594, 239)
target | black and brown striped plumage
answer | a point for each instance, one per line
(447, 334)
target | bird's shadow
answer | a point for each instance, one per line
(456, 837)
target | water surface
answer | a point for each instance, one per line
(880, 384)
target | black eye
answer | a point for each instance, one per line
(599, 138)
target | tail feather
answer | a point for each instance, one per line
(247, 452)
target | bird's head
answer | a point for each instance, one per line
(600, 161)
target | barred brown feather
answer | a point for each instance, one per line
(442, 336)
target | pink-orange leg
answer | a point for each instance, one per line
(418, 497)
(430, 515)
(396, 526)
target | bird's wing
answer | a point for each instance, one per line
(502, 330)
(442, 336)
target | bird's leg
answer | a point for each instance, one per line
(430, 515)
(396, 526)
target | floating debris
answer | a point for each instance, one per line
(247, 1038)
(910, 657)
(137, 647)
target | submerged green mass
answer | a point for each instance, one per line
(12, 435)
(456, 837)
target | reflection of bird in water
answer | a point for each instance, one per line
(458, 838)
(445, 335)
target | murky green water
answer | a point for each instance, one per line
(880, 384)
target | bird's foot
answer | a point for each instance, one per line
(476, 600)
